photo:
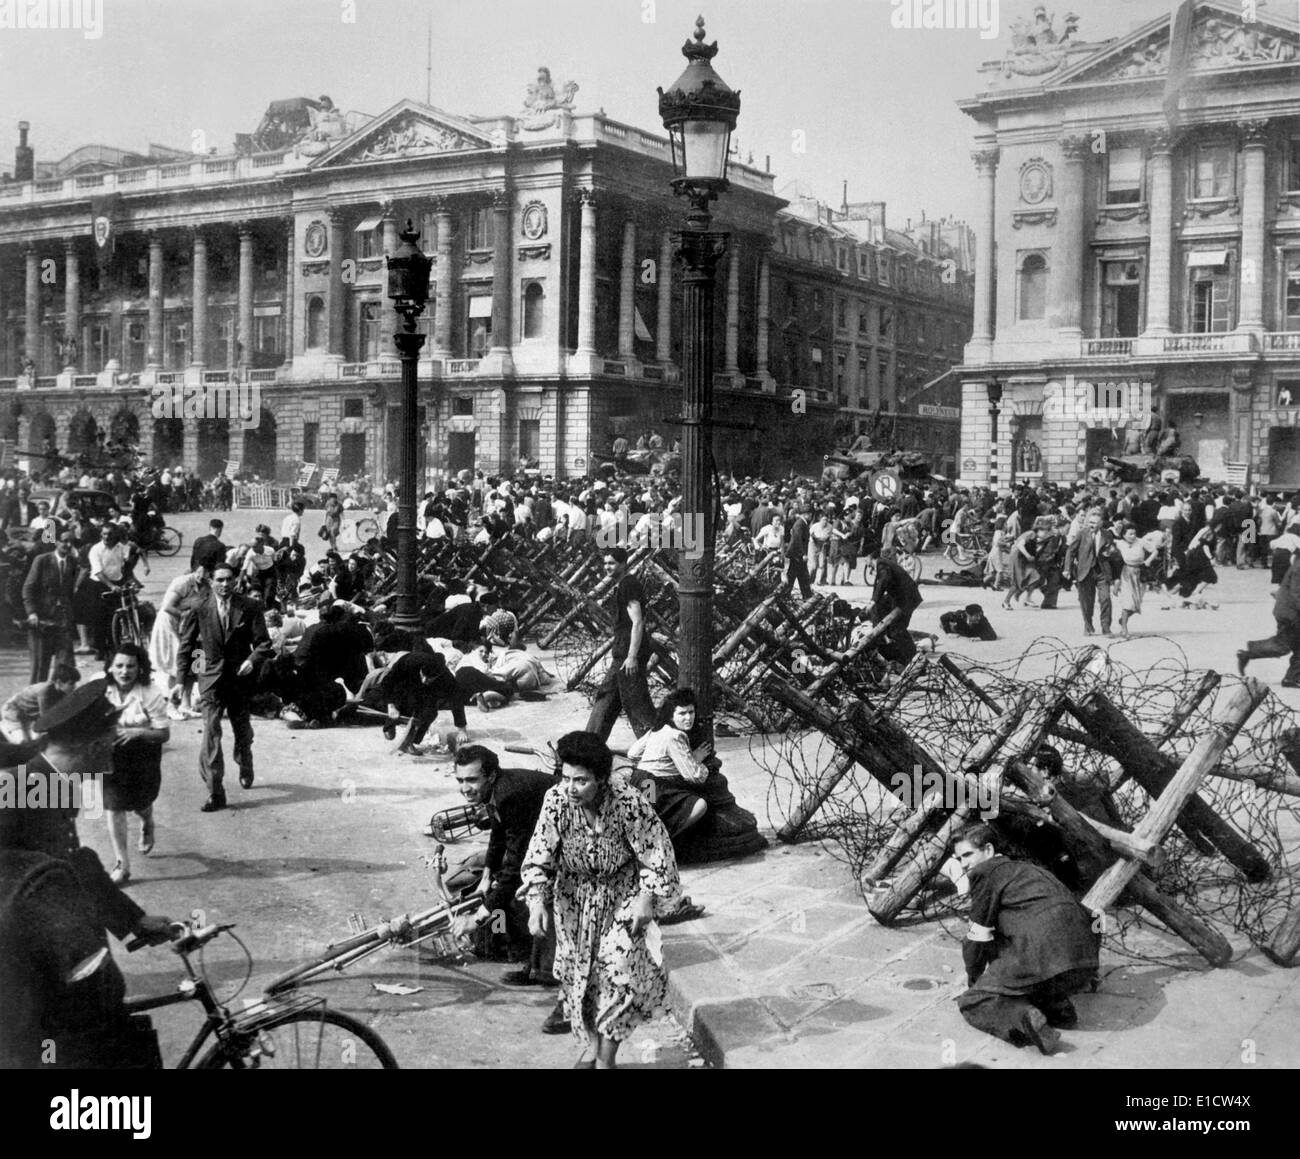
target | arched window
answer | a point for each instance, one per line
(1033, 287)
(315, 323)
(534, 309)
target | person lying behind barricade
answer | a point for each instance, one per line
(969, 622)
(1029, 947)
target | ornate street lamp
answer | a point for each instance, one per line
(408, 287)
(699, 111)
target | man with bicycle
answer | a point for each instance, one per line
(60, 991)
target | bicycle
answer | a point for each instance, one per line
(439, 921)
(126, 627)
(289, 1032)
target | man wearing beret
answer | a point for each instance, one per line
(229, 632)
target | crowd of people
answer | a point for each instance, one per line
(584, 863)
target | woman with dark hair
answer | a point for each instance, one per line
(602, 859)
(1029, 947)
(142, 730)
(676, 772)
(1127, 586)
(1024, 569)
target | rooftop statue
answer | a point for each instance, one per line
(1037, 48)
(541, 105)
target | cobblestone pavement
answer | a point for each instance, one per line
(786, 969)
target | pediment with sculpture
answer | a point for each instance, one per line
(1221, 39)
(403, 132)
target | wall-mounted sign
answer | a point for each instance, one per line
(929, 410)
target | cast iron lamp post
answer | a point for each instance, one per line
(699, 111)
(408, 287)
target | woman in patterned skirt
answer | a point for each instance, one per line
(602, 859)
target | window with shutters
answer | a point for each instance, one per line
(1211, 299)
(1291, 291)
(1124, 175)
(1121, 300)
(1214, 172)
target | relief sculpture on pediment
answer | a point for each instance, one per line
(410, 137)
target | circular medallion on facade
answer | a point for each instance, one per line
(316, 240)
(1035, 181)
(533, 221)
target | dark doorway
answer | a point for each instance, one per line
(168, 442)
(352, 455)
(1284, 457)
(259, 447)
(214, 446)
(460, 451)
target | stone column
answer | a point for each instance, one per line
(986, 168)
(444, 304)
(72, 302)
(503, 278)
(32, 303)
(391, 240)
(627, 293)
(290, 295)
(336, 302)
(587, 277)
(664, 321)
(245, 309)
(764, 315)
(731, 349)
(1066, 274)
(199, 324)
(1240, 401)
(1160, 142)
(154, 360)
(1254, 144)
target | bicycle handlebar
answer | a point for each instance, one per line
(187, 941)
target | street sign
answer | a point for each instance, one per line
(232, 468)
(304, 476)
(1235, 474)
(886, 486)
(329, 477)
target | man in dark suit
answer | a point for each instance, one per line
(19, 510)
(231, 633)
(208, 549)
(513, 801)
(1286, 611)
(1088, 561)
(47, 599)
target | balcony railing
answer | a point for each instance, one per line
(372, 369)
(263, 375)
(1196, 343)
(1107, 347)
(1282, 341)
(462, 366)
(85, 380)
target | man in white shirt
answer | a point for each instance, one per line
(291, 527)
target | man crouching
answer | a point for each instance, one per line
(1030, 946)
(513, 800)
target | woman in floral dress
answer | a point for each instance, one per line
(602, 859)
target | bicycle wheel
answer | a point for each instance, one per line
(123, 630)
(168, 542)
(303, 1040)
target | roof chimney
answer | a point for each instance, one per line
(24, 157)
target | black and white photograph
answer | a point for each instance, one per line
(634, 534)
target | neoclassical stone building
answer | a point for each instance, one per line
(1146, 248)
(553, 322)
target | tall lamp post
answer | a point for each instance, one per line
(408, 287)
(699, 111)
